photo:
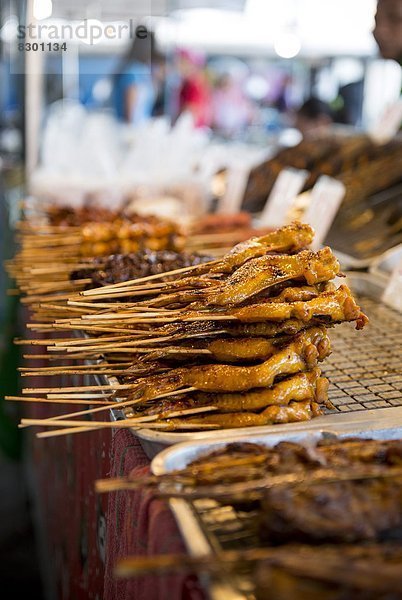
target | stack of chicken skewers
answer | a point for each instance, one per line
(230, 343)
(61, 247)
(59, 240)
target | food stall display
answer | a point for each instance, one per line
(62, 249)
(206, 326)
(309, 514)
(232, 342)
(187, 342)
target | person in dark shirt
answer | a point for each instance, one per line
(314, 116)
(388, 29)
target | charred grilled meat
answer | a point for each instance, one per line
(125, 267)
(333, 511)
(366, 572)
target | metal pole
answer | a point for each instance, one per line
(33, 101)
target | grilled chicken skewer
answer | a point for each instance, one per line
(251, 278)
(301, 354)
(332, 307)
(303, 386)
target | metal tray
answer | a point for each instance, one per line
(378, 265)
(208, 527)
(363, 233)
(364, 370)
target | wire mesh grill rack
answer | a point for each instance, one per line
(365, 370)
(229, 529)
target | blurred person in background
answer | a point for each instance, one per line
(314, 117)
(282, 101)
(231, 110)
(388, 35)
(160, 81)
(388, 29)
(134, 88)
(194, 94)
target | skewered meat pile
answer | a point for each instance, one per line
(285, 466)
(124, 267)
(328, 516)
(379, 174)
(75, 216)
(84, 233)
(64, 249)
(63, 239)
(369, 572)
(229, 343)
(344, 511)
(219, 230)
(130, 235)
(364, 167)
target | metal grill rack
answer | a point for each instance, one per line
(365, 370)
(229, 529)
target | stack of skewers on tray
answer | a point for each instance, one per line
(58, 240)
(320, 519)
(232, 342)
(61, 247)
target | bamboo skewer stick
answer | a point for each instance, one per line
(52, 357)
(43, 342)
(64, 267)
(70, 309)
(79, 389)
(109, 370)
(64, 431)
(134, 566)
(88, 396)
(83, 341)
(99, 366)
(45, 298)
(129, 317)
(42, 287)
(49, 326)
(135, 282)
(133, 347)
(64, 372)
(147, 320)
(117, 316)
(122, 404)
(129, 292)
(130, 422)
(101, 369)
(148, 340)
(55, 401)
(135, 343)
(183, 426)
(88, 327)
(97, 305)
(123, 287)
